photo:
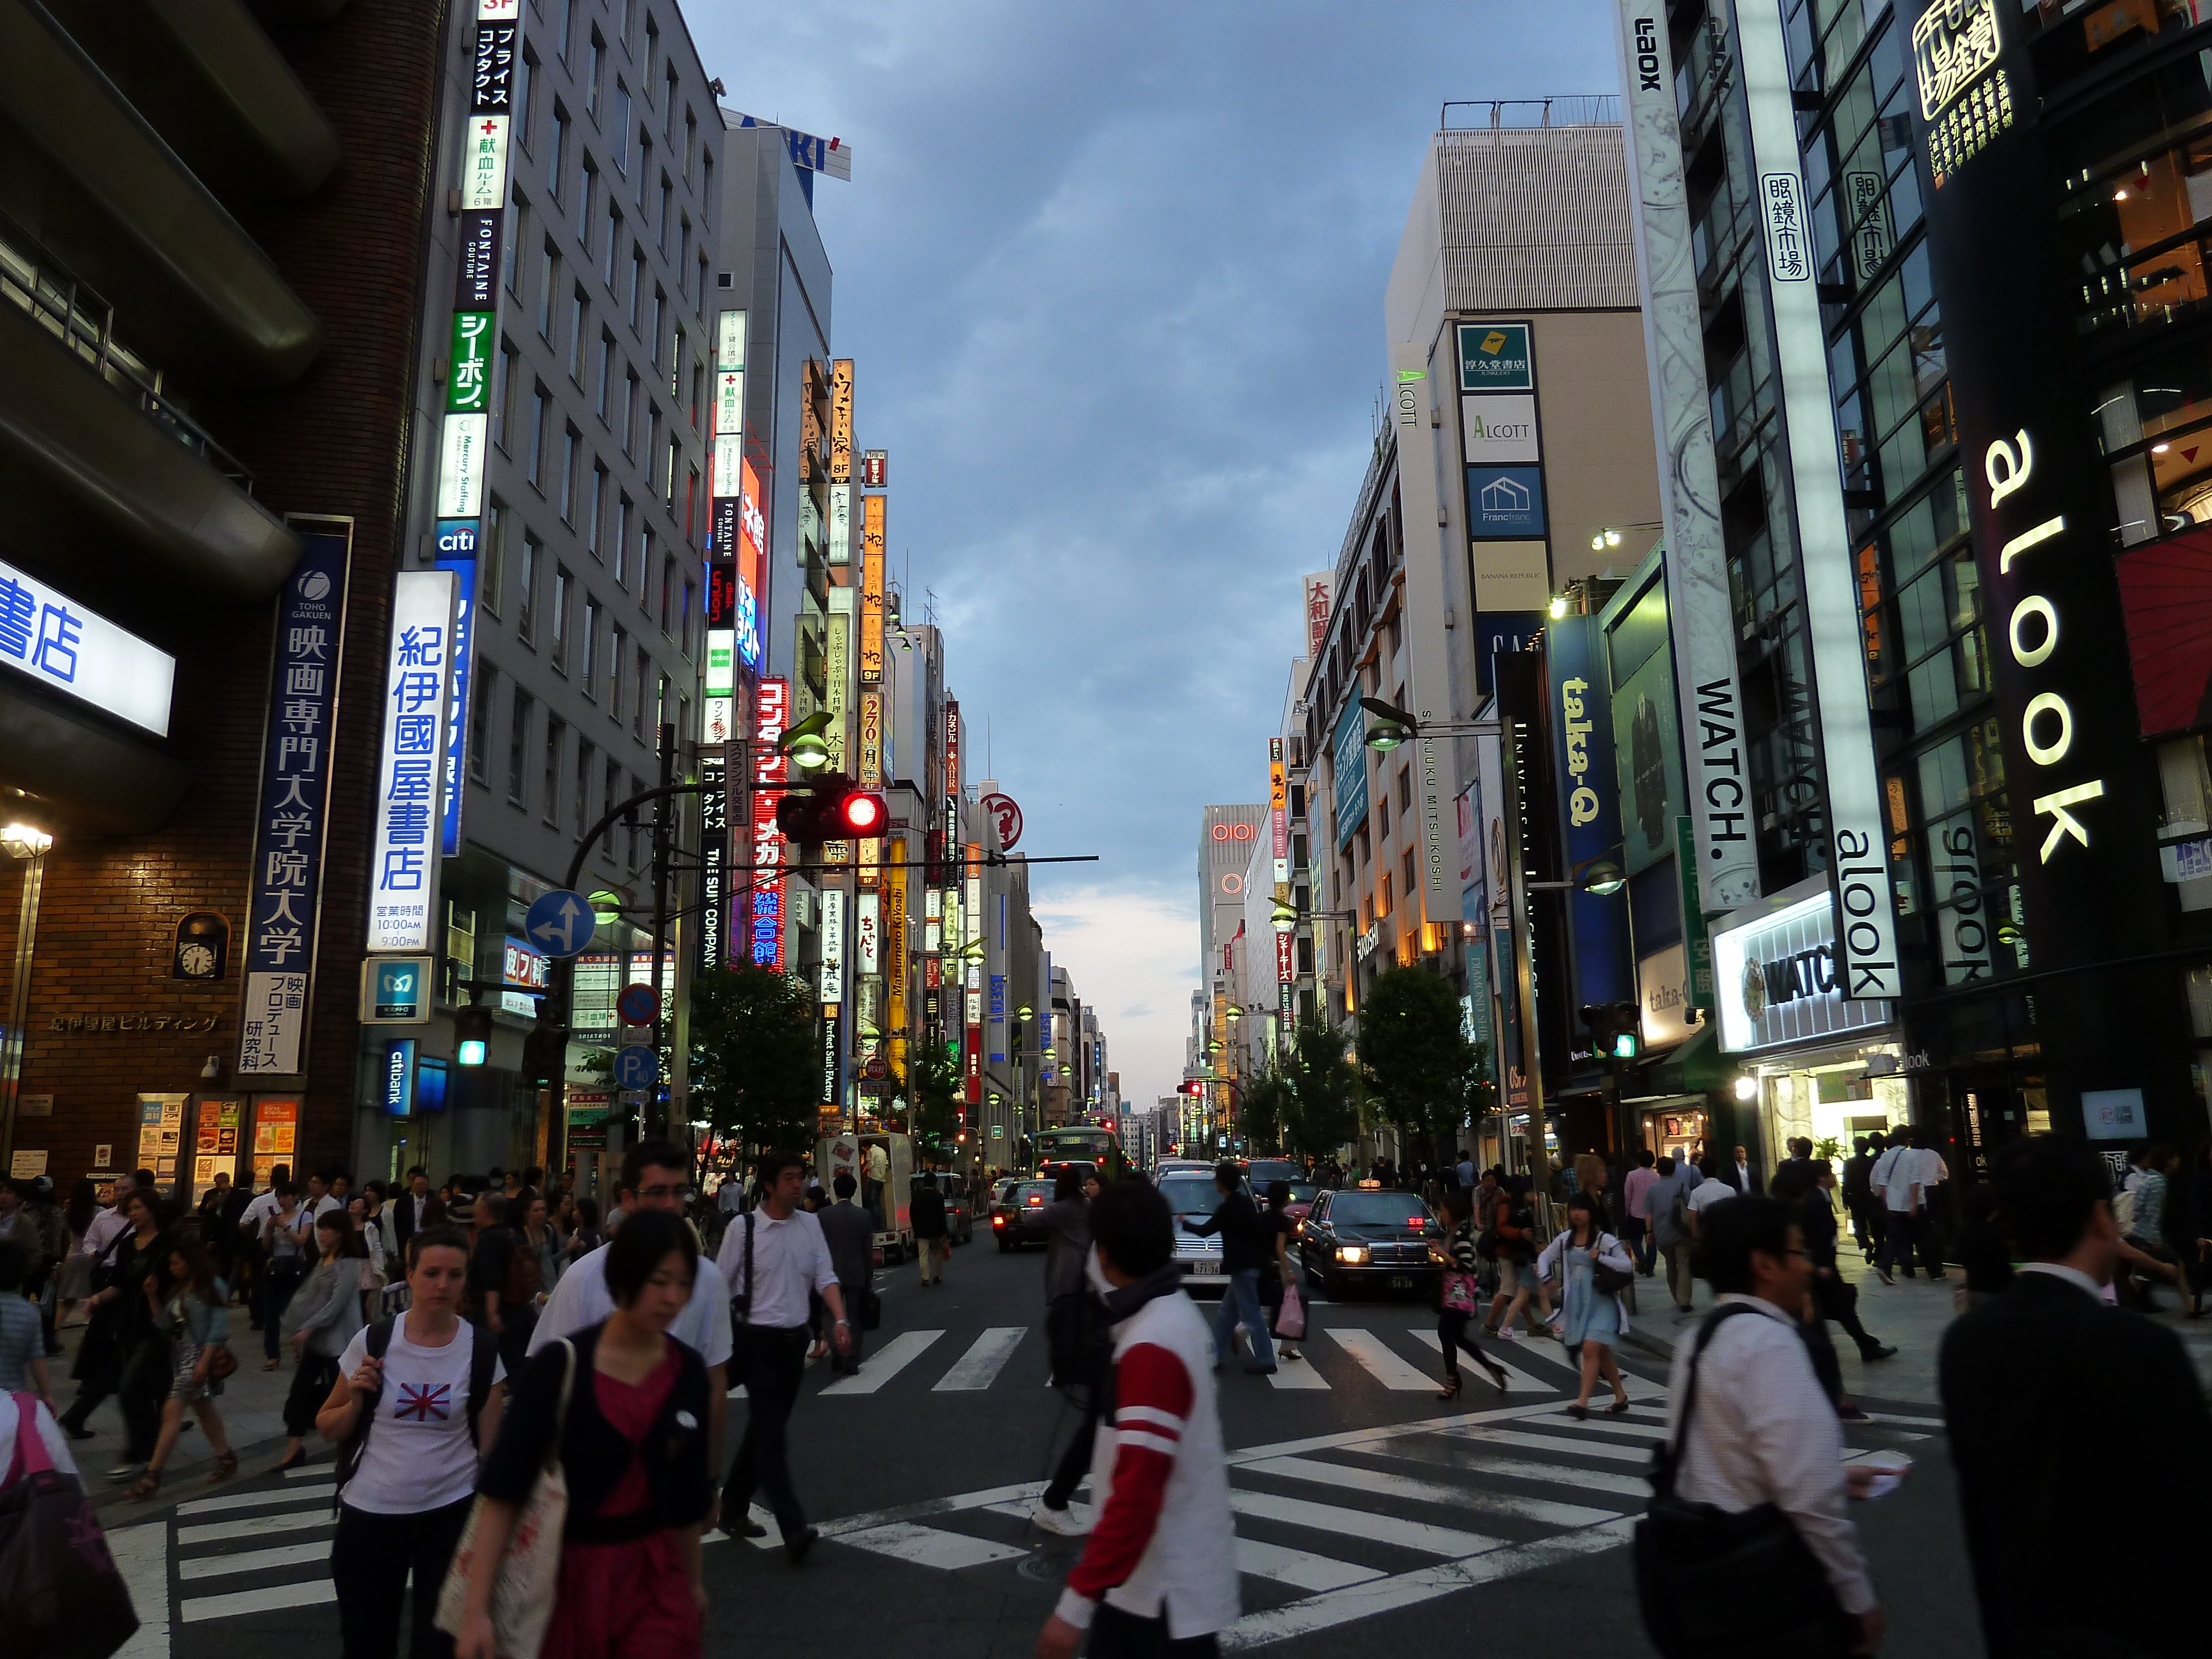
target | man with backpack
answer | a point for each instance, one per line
(1667, 1202)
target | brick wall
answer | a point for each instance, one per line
(335, 444)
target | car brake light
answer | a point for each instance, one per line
(998, 1221)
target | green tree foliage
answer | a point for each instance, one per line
(936, 1085)
(1424, 1073)
(1321, 1105)
(756, 1067)
(1267, 1110)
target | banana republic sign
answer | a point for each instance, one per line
(2089, 890)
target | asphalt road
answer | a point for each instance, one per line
(1363, 1502)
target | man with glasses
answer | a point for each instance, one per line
(656, 1174)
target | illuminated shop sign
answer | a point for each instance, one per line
(1966, 94)
(403, 862)
(1778, 981)
(1496, 357)
(771, 719)
(57, 643)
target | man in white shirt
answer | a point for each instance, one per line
(1904, 1178)
(1763, 1430)
(774, 1258)
(656, 1174)
(111, 1223)
(1707, 1192)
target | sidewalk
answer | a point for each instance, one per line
(1911, 1314)
(253, 1407)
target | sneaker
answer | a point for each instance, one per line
(745, 1527)
(126, 1471)
(1069, 1523)
(1880, 1351)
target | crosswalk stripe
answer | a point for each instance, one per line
(1542, 1349)
(929, 1547)
(1376, 1483)
(301, 1496)
(1497, 1437)
(1515, 1469)
(308, 1593)
(878, 1369)
(1297, 1568)
(1358, 1523)
(259, 1526)
(142, 1556)
(1379, 1362)
(1296, 1374)
(307, 1471)
(1516, 1380)
(282, 1555)
(1598, 1423)
(978, 1367)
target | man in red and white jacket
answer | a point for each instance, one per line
(1158, 1577)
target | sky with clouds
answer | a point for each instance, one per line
(1112, 277)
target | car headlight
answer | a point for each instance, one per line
(1354, 1254)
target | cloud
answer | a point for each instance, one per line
(1112, 277)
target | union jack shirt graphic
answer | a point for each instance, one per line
(422, 1402)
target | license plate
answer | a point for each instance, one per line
(1402, 1281)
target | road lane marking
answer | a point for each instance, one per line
(1297, 1568)
(284, 1555)
(1358, 1523)
(1376, 1484)
(979, 1366)
(273, 1498)
(1647, 1434)
(1380, 1363)
(1384, 1594)
(1301, 1373)
(197, 1609)
(887, 1362)
(929, 1547)
(1546, 1443)
(1515, 1468)
(142, 1556)
(309, 1471)
(259, 1526)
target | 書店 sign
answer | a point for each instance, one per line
(403, 865)
(1496, 357)
(64, 647)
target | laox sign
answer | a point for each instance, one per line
(2046, 733)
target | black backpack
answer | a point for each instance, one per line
(483, 1354)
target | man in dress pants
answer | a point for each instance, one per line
(2062, 1409)
(850, 1231)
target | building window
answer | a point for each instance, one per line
(561, 579)
(706, 202)
(652, 53)
(518, 752)
(644, 566)
(1405, 789)
(668, 107)
(607, 254)
(1411, 883)
(690, 142)
(526, 83)
(606, 372)
(599, 509)
(535, 461)
(510, 249)
(591, 666)
(622, 542)
(579, 317)
(1384, 905)
(630, 411)
(690, 593)
(571, 442)
(660, 322)
(652, 445)
(660, 703)
(637, 708)
(525, 616)
(691, 504)
(549, 283)
(491, 556)
(644, 164)
(617, 657)
(583, 803)
(556, 735)
(595, 58)
(674, 462)
(636, 283)
(622, 125)
(502, 395)
(668, 591)
(660, 224)
(556, 151)
(675, 365)
(637, 787)
(613, 799)
(480, 695)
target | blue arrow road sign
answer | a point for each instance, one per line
(636, 1067)
(560, 923)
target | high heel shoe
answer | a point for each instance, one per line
(226, 1465)
(1580, 1414)
(1497, 1373)
(1451, 1388)
(296, 1461)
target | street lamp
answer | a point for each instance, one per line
(803, 745)
(24, 841)
(1394, 726)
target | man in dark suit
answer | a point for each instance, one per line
(2042, 1389)
(407, 1209)
(1743, 1175)
(850, 1232)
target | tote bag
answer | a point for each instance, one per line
(1290, 1319)
(1460, 1292)
(529, 1571)
(61, 1596)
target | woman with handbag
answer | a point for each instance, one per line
(1513, 1225)
(193, 1306)
(403, 1408)
(1593, 1266)
(1280, 1287)
(122, 1353)
(1459, 1295)
(617, 1413)
(321, 1320)
(286, 1248)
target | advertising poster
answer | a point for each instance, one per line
(275, 1136)
(214, 1141)
(161, 1135)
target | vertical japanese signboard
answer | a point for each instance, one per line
(471, 355)
(894, 953)
(733, 579)
(871, 590)
(833, 946)
(286, 882)
(713, 862)
(772, 715)
(403, 872)
(870, 853)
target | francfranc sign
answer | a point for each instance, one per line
(2007, 464)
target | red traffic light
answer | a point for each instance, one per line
(1193, 1088)
(863, 815)
(832, 810)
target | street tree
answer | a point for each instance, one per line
(935, 1080)
(1424, 1071)
(755, 1073)
(1322, 1107)
(1267, 1107)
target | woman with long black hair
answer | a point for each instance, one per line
(1460, 1295)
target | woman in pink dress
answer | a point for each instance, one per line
(635, 1450)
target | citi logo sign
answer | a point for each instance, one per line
(1647, 55)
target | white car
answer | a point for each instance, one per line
(1192, 1196)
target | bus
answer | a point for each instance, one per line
(1082, 1143)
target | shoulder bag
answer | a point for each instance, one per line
(1608, 1281)
(741, 1313)
(1714, 1584)
(529, 1571)
(61, 1593)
